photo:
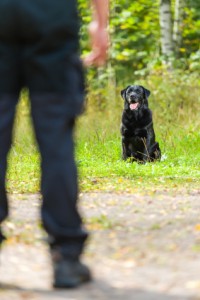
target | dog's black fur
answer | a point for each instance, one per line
(138, 137)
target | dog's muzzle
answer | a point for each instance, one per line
(134, 102)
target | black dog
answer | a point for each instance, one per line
(138, 137)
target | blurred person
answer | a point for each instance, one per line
(39, 44)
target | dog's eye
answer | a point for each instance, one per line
(139, 91)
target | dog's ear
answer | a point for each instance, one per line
(123, 92)
(146, 92)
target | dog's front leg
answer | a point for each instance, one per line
(125, 149)
(145, 154)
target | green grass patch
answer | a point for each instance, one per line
(176, 109)
(101, 167)
(24, 160)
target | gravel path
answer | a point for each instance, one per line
(142, 247)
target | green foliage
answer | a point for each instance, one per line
(135, 37)
(133, 42)
(191, 31)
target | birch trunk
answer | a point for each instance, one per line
(178, 20)
(166, 28)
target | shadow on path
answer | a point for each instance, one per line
(98, 290)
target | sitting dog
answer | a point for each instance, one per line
(138, 137)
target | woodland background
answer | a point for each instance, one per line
(154, 44)
(146, 34)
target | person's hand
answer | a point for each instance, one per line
(99, 43)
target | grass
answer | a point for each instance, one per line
(98, 150)
(101, 166)
(24, 160)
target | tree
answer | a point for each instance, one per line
(167, 46)
(178, 23)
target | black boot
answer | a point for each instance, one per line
(69, 273)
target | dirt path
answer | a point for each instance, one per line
(142, 247)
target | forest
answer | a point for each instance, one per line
(148, 35)
(154, 44)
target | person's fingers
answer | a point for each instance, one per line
(94, 58)
(99, 39)
(89, 59)
(98, 56)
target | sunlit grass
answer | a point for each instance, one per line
(98, 146)
(101, 166)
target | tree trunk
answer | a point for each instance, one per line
(178, 20)
(166, 28)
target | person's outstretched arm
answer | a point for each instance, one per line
(98, 30)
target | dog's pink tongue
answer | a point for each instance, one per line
(133, 106)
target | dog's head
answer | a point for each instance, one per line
(135, 96)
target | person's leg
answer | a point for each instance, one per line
(54, 132)
(61, 220)
(7, 111)
(53, 74)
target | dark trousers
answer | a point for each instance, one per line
(44, 61)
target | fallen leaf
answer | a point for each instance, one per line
(197, 227)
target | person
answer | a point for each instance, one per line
(39, 49)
